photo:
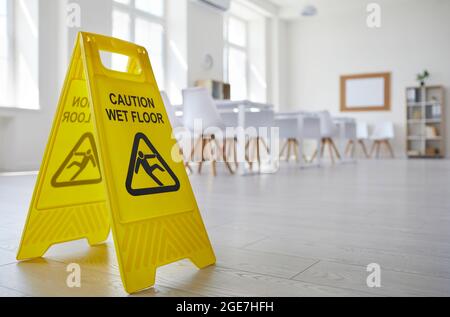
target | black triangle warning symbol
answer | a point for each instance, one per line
(148, 173)
(80, 166)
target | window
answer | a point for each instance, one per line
(5, 52)
(236, 57)
(141, 22)
(19, 54)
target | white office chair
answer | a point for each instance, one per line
(328, 130)
(253, 122)
(199, 105)
(257, 120)
(289, 132)
(294, 128)
(350, 134)
(382, 134)
(362, 134)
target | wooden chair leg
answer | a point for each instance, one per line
(191, 156)
(266, 146)
(213, 154)
(235, 150)
(338, 155)
(283, 149)
(251, 154)
(322, 148)
(378, 149)
(186, 163)
(225, 159)
(348, 147)
(363, 146)
(258, 153)
(296, 150)
(288, 157)
(315, 153)
(202, 157)
(372, 150)
(389, 147)
(330, 151)
(313, 157)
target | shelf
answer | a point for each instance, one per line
(423, 103)
(425, 117)
(416, 120)
(424, 120)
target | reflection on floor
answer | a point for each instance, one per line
(308, 232)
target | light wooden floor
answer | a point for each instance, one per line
(297, 233)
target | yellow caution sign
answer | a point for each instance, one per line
(109, 163)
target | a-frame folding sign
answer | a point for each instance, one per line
(109, 163)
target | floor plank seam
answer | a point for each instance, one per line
(279, 254)
(252, 272)
(390, 270)
(16, 291)
(306, 269)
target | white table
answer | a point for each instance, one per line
(241, 107)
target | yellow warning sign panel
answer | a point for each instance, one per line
(108, 164)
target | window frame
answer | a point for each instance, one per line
(10, 102)
(134, 13)
(244, 49)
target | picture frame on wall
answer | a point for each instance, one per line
(365, 92)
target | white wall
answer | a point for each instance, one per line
(414, 35)
(24, 132)
(205, 36)
(177, 49)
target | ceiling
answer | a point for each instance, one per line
(290, 9)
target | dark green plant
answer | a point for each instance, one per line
(421, 77)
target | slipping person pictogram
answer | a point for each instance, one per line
(148, 172)
(80, 166)
(142, 160)
(87, 157)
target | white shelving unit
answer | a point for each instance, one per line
(425, 122)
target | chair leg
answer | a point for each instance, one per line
(186, 163)
(372, 150)
(363, 146)
(322, 148)
(258, 153)
(348, 147)
(235, 150)
(313, 157)
(316, 152)
(225, 159)
(296, 150)
(266, 146)
(191, 157)
(231, 146)
(213, 154)
(378, 149)
(202, 157)
(389, 147)
(330, 150)
(251, 153)
(288, 157)
(283, 149)
(338, 155)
